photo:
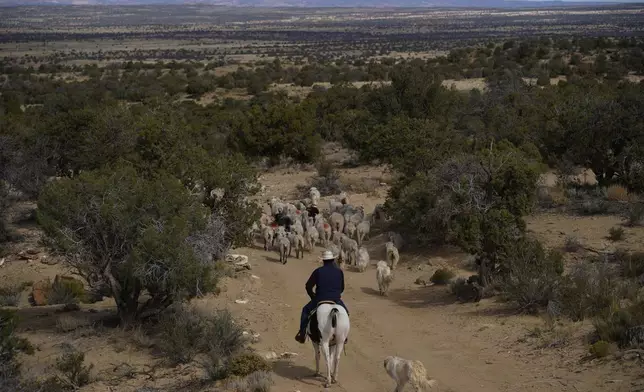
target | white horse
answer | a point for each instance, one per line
(333, 325)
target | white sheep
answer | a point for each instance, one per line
(351, 229)
(335, 251)
(350, 246)
(297, 227)
(267, 234)
(324, 230)
(297, 243)
(405, 371)
(337, 223)
(384, 276)
(311, 237)
(362, 259)
(280, 232)
(392, 255)
(284, 246)
(362, 231)
(314, 194)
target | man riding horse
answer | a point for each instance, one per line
(328, 281)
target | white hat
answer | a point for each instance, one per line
(327, 255)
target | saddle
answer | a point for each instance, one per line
(312, 329)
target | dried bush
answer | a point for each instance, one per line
(631, 263)
(10, 296)
(186, 333)
(244, 364)
(260, 381)
(442, 276)
(572, 244)
(616, 234)
(530, 275)
(74, 373)
(635, 214)
(181, 334)
(617, 193)
(588, 290)
(622, 326)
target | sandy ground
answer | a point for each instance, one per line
(484, 347)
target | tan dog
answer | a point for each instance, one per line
(405, 371)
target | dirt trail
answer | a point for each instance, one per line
(466, 350)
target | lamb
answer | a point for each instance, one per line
(335, 251)
(362, 259)
(297, 227)
(284, 246)
(267, 234)
(384, 276)
(362, 231)
(324, 231)
(337, 223)
(314, 194)
(280, 232)
(297, 243)
(405, 371)
(392, 254)
(350, 246)
(351, 229)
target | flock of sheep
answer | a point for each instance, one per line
(342, 229)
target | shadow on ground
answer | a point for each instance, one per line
(417, 297)
(291, 371)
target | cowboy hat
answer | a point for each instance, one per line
(327, 255)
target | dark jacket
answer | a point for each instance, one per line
(313, 211)
(328, 281)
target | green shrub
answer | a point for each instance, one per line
(631, 263)
(442, 276)
(616, 234)
(530, 275)
(244, 364)
(181, 334)
(185, 333)
(588, 290)
(10, 346)
(66, 291)
(73, 371)
(118, 225)
(326, 180)
(622, 326)
(600, 349)
(635, 214)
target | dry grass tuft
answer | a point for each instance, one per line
(617, 193)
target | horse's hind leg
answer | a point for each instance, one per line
(327, 356)
(316, 347)
(337, 352)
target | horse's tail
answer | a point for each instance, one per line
(334, 317)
